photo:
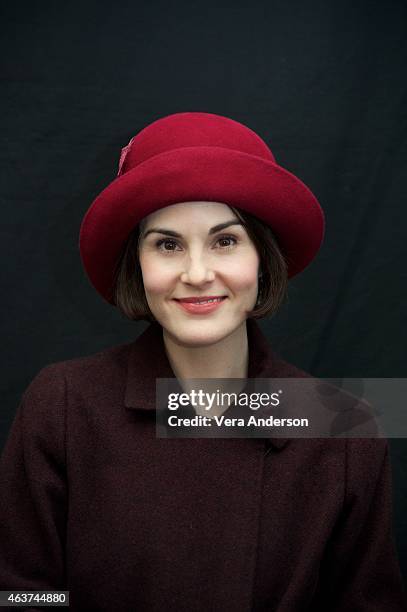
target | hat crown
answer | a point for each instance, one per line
(189, 157)
(191, 129)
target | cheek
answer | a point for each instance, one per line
(243, 274)
(156, 278)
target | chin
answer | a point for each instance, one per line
(202, 333)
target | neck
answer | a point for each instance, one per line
(228, 358)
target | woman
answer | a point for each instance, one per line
(94, 503)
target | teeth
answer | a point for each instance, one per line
(209, 301)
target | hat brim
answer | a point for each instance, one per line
(256, 185)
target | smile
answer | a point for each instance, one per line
(200, 305)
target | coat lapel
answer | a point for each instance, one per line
(148, 361)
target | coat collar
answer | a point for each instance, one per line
(148, 361)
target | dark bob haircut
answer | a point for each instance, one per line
(130, 297)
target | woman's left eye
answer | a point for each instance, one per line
(223, 239)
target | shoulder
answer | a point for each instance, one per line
(53, 381)
(107, 361)
(358, 461)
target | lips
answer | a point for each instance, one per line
(203, 299)
(202, 305)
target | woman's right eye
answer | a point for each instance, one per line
(164, 242)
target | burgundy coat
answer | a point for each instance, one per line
(92, 502)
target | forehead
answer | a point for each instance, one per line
(190, 212)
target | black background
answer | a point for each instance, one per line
(322, 82)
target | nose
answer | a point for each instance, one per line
(197, 272)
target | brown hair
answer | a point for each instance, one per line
(130, 297)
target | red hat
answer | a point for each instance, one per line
(197, 156)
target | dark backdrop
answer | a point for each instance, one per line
(322, 82)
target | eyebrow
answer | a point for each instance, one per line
(213, 230)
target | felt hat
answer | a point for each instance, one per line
(196, 156)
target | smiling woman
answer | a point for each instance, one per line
(198, 270)
(197, 235)
(130, 295)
